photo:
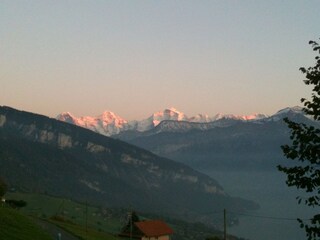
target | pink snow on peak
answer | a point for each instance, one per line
(168, 114)
(253, 117)
(108, 117)
(107, 123)
(239, 117)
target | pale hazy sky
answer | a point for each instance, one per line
(139, 57)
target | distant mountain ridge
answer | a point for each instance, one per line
(110, 124)
(219, 143)
(225, 144)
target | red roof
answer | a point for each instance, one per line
(154, 228)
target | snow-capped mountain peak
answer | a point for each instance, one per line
(169, 114)
(295, 109)
(66, 117)
(200, 118)
(108, 117)
(252, 117)
(287, 112)
(219, 116)
(256, 116)
(156, 118)
(108, 123)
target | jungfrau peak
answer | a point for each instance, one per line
(168, 114)
(154, 120)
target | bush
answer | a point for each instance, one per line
(16, 204)
(3, 187)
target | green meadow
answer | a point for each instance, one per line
(79, 219)
(14, 225)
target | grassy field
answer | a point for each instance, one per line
(84, 233)
(45, 207)
(16, 226)
(80, 219)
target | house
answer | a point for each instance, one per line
(154, 229)
(149, 230)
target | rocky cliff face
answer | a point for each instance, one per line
(42, 154)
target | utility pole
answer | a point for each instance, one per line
(225, 223)
(131, 215)
(86, 219)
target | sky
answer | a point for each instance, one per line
(138, 57)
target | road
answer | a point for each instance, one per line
(54, 230)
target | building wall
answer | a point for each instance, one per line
(166, 237)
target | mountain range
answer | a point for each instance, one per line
(224, 142)
(108, 123)
(41, 154)
(223, 145)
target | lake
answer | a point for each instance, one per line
(276, 200)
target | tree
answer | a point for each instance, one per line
(305, 150)
(3, 187)
(129, 228)
(213, 238)
(17, 204)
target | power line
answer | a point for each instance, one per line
(249, 215)
(258, 216)
(267, 217)
(215, 212)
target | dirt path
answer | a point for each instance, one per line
(54, 230)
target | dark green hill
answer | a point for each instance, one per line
(16, 226)
(40, 154)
